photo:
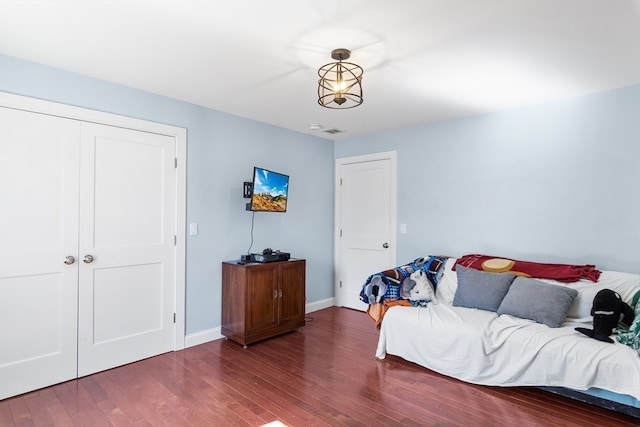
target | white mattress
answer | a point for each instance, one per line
(481, 347)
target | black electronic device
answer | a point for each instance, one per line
(269, 255)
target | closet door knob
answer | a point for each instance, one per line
(69, 260)
(88, 259)
(385, 245)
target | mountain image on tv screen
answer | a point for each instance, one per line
(270, 191)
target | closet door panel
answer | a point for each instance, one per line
(127, 226)
(39, 199)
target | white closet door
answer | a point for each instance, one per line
(127, 224)
(39, 162)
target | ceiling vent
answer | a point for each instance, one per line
(333, 131)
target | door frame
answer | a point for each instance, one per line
(179, 134)
(393, 238)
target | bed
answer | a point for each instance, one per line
(481, 346)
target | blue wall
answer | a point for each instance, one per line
(558, 182)
(221, 152)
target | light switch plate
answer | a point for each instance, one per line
(193, 229)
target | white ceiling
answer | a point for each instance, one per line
(424, 61)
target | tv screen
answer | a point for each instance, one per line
(269, 193)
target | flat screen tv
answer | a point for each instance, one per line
(269, 191)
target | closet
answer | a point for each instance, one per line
(88, 247)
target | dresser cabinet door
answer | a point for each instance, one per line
(292, 301)
(262, 288)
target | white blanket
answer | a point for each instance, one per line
(481, 347)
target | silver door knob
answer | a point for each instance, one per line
(69, 260)
(385, 245)
(88, 259)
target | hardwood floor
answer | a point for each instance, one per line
(324, 375)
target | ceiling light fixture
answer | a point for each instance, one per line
(340, 84)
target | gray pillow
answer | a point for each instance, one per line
(480, 289)
(538, 301)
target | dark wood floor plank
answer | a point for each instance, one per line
(311, 381)
(85, 409)
(113, 384)
(324, 375)
(38, 411)
(20, 412)
(221, 400)
(285, 381)
(6, 417)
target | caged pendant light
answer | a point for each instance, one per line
(340, 84)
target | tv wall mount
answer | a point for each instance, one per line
(247, 190)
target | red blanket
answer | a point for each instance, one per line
(559, 272)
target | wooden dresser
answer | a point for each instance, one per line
(260, 301)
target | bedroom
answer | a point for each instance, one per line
(566, 173)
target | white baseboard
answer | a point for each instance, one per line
(213, 334)
(319, 305)
(203, 337)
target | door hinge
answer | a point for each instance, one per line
(340, 284)
(175, 240)
(340, 181)
(175, 163)
(174, 318)
(341, 232)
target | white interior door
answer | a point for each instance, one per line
(128, 227)
(366, 221)
(38, 229)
